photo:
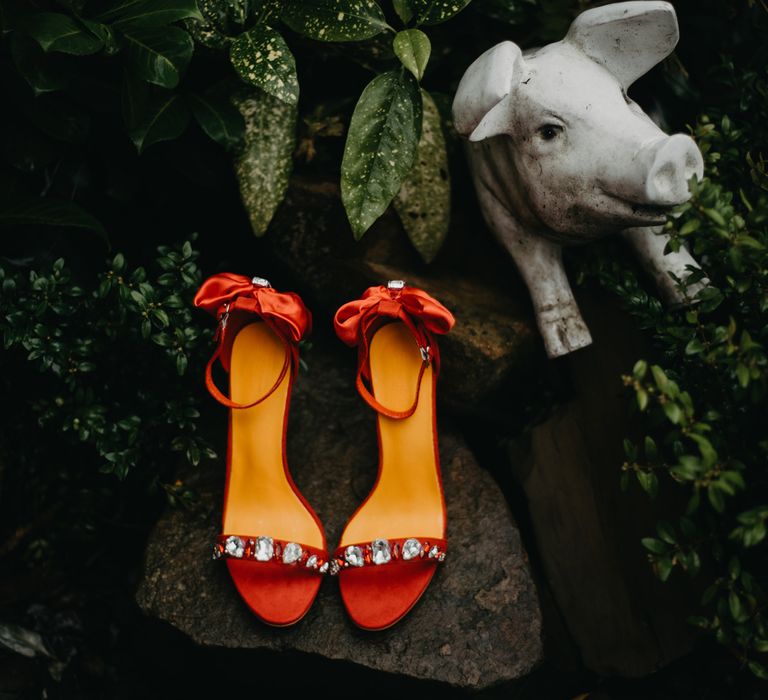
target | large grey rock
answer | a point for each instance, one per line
(478, 624)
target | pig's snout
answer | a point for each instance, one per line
(674, 160)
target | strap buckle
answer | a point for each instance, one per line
(224, 317)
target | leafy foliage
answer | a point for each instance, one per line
(105, 351)
(705, 399)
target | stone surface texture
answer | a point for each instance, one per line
(477, 625)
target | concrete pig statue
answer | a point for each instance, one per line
(561, 155)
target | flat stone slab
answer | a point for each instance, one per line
(478, 624)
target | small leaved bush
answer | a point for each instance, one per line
(704, 398)
(113, 358)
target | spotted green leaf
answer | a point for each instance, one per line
(412, 47)
(335, 20)
(264, 163)
(262, 58)
(62, 33)
(160, 55)
(424, 200)
(381, 146)
(436, 11)
(149, 13)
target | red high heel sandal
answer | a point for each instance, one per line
(272, 540)
(391, 545)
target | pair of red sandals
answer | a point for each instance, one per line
(272, 540)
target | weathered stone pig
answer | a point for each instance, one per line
(561, 155)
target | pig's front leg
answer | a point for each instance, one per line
(649, 246)
(540, 263)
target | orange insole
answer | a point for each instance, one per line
(259, 499)
(407, 501)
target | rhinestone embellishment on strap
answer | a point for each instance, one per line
(269, 549)
(381, 552)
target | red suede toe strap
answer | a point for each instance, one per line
(387, 552)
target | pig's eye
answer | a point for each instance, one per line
(549, 131)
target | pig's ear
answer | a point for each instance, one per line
(487, 81)
(628, 38)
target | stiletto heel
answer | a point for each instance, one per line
(272, 540)
(391, 545)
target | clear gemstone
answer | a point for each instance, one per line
(411, 548)
(334, 568)
(324, 568)
(260, 282)
(292, 553)
(354, 555)
(265, 548)
(234, 546)
(395, 284)
(441, 556)
(433, 552)
(381, 553)
(216, 551)
(312, 562)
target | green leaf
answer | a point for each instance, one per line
(335, 20)
(43, 72)
(262, 58)
(47, 212)
(649, 482)
(736, 607)
(423, 202)
(664, 568)
(264, 164)
(437, 11)
(651, 453)
(665, 532)
(219, 118)
(715, 498)
(404, 10)
(662, 382)
(58, 32)
(160, 55)
(164, 118)
(412, 47)
(673, 412)
(654, 545)
(639, 370)
(149, 14)
(758, 669)
(381, 146)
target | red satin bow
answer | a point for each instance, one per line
(420, 312)
(226, 294)
(284, 308)
(406, 303)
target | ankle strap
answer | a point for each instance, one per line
(214, 391)
(422, 315)
(226, 294)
